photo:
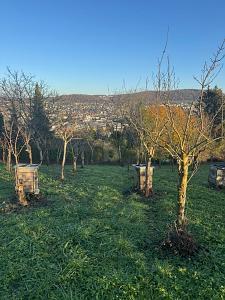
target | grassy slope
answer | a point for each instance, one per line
(91, 242)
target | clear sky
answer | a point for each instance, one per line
(90, 46)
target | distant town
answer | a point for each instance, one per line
(101, 111)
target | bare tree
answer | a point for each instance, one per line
(3, 145)
(90, 139)
(66, 129)
(26, 134)
(185, 133)
(82, 153)
(18, 91)
(14, 145)
(132, 111)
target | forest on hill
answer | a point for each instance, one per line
(178, 96)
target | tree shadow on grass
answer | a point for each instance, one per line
(124, 234)
(94, 242)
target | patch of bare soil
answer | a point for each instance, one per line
(13, 205)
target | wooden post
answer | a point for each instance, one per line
(21, 194)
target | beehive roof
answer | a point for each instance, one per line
(25, 167)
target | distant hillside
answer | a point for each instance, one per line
(178, 96)
(79, 98)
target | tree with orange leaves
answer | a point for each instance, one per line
(148, 129)
(183, 132)
(180, 134)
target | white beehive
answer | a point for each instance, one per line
(217, 175)
(141, 176)
(27, 175)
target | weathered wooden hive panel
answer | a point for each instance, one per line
(217, 175)
(141, 176)
(28, 176)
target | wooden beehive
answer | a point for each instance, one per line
(27, 175)
(141, 176)
(217, 175)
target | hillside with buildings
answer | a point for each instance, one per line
(100, 111)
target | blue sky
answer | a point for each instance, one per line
(93, 46)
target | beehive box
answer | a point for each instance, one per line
(141, 176)
(217, 175)
(28, 176)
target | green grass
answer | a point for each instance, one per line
(91, 242)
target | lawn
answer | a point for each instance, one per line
(93, 242)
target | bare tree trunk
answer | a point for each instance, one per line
(92, 155)
(3, 154)
(9, 160)
(103, 151)
(74, 158)
(82, 159)
(128, 165)
(74, 164)
(29, 150)
(16, 159)
(92, 152)
(182, 190)
(63, 160)
(138, 157)
(119, 154)
(40, 151)
(148, 178)
(47, 157)
(59, 152)
(160, 163)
